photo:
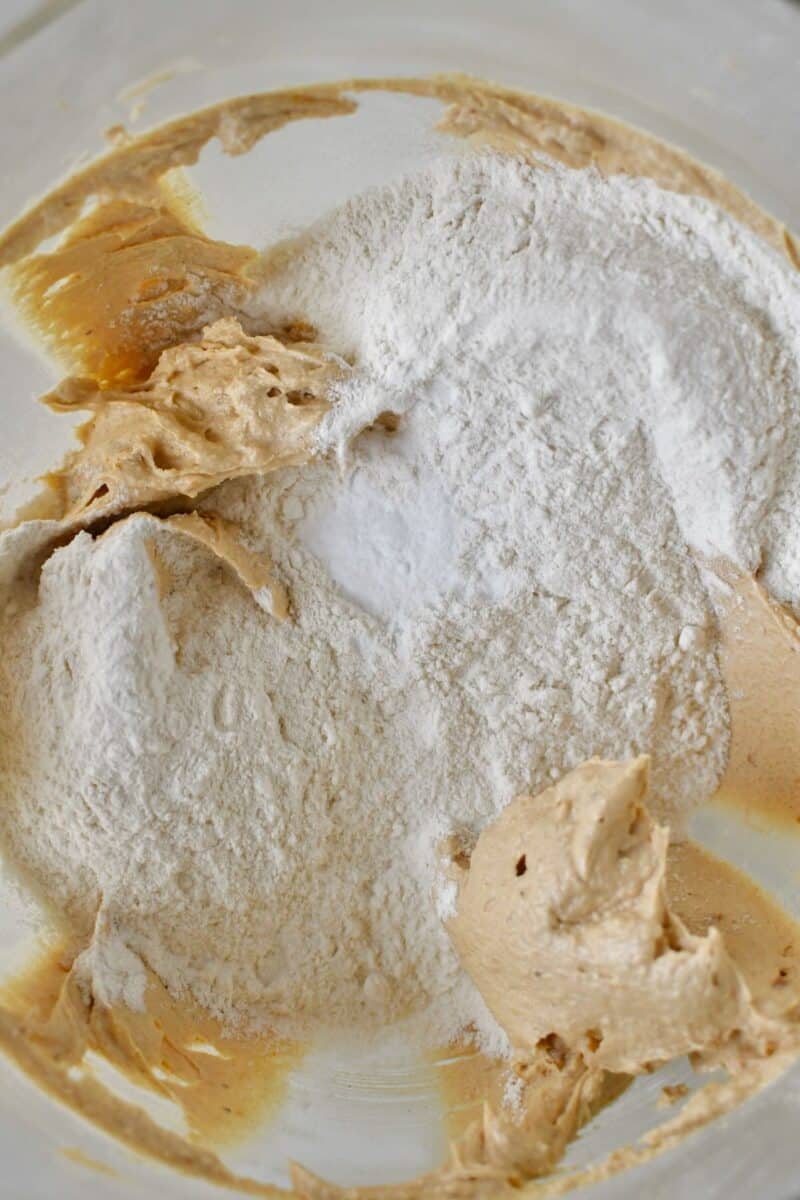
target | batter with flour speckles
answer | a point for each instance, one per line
(510, 416)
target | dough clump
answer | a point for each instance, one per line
(564, 925)
(215, 409)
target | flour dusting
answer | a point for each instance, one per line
(593, 379)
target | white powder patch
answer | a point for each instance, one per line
(513, 1093)
(391, 550)
(592, 375)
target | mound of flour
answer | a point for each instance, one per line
(590, 378)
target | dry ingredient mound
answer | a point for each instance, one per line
(590, 377)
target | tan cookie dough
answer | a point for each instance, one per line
(760, 658)
(223, 406)
(224, 1086)
(563, 924)
(223, 540)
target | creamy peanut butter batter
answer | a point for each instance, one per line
(223, 1085)
(224, 406)
(627, 966)
(760, 650)
(702, 892)
(582, 950)
(221, 537)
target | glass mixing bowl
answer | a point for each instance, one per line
(720, 80)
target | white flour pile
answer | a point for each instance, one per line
(592, 375)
